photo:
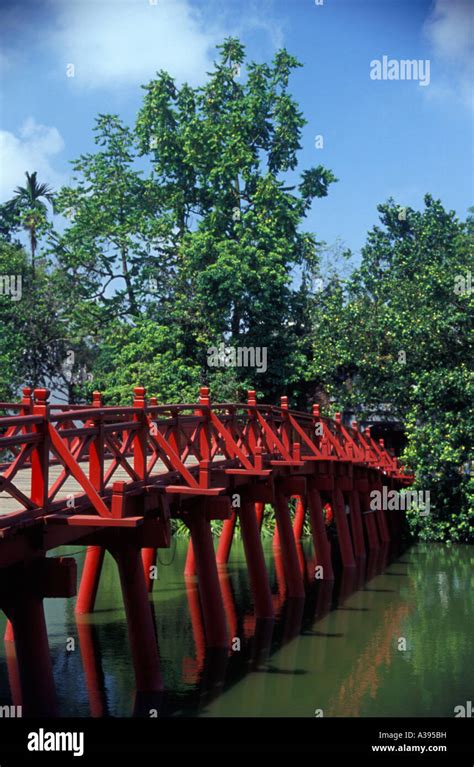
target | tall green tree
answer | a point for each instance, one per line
(29, 205)
(225, 158)
(116, 236)
(399, 332)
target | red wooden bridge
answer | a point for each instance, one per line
(113, 478)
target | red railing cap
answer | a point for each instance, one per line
(41, 395)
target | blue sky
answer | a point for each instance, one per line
(381, 138)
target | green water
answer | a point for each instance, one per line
(399, 643)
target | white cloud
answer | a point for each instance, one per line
(260, 16)
(124, 42)
(450, 30)
(31, 150)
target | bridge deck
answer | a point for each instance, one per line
(70, 487)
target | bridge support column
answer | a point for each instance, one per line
(287, 542)
(262, 596)
(356, 525)
(209, 589)
(259, 509)
(300, 513)
(225, 540)
(393, 518)
(38, 693)
(192, 667)
(13, 672)
(369, 521)
(384, 535)
(190, 564)
(322, 547)
(8, 637)
(90, 579)
(149, 561)
(381, 519)
(345, 543)
(141, 630)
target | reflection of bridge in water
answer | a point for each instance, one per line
(112, 478)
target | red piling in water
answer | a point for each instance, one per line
(225, 540)
(149, 561)
(190, 565)
(229, 602)
(13, 673)
(9, 636)
(262, 596)
(90, 579)
(38, 692)
(381, 519)
(356, 525)
(300, 513)
(369, 520)
(280, 596)
(345, 543)
(288, 546)
(141, 630)
(276, 537)
(192, 667)
(209, 589)
(259, 508)
(322, 547)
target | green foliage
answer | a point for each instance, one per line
(28, 210)
(116, 237)
(399, 332)
(145, 354)
(31, 344)
(220, 153)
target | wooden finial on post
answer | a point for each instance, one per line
(96, 399)
(41, 397)
(139, 393)
(204, 396)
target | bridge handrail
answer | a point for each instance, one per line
(186, 439)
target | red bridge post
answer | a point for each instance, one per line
(369, 519)
(356, 524)
(208, 578)
(262, 595)
(94, 557)
(141, 631)
(225, 539)
(288, 545)
(40, 452)
(322, 547)
(140, 446)
(32, 651)
(90, 578)
(300, 513)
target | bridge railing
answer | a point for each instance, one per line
(176, 444)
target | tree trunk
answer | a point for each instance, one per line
(128, 283)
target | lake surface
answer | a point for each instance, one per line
(379, 642)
